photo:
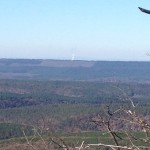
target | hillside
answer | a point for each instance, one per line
(65, 106)
(74, 70)
(54, 96)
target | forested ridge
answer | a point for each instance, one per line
(39, 69)
(19, 93)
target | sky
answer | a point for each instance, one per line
(75, 29)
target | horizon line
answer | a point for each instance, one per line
(54, 59)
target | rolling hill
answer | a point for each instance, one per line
(39, 69)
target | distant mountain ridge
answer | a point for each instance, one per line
(46, 62)
(44, 69)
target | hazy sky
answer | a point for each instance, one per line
(87, 29)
